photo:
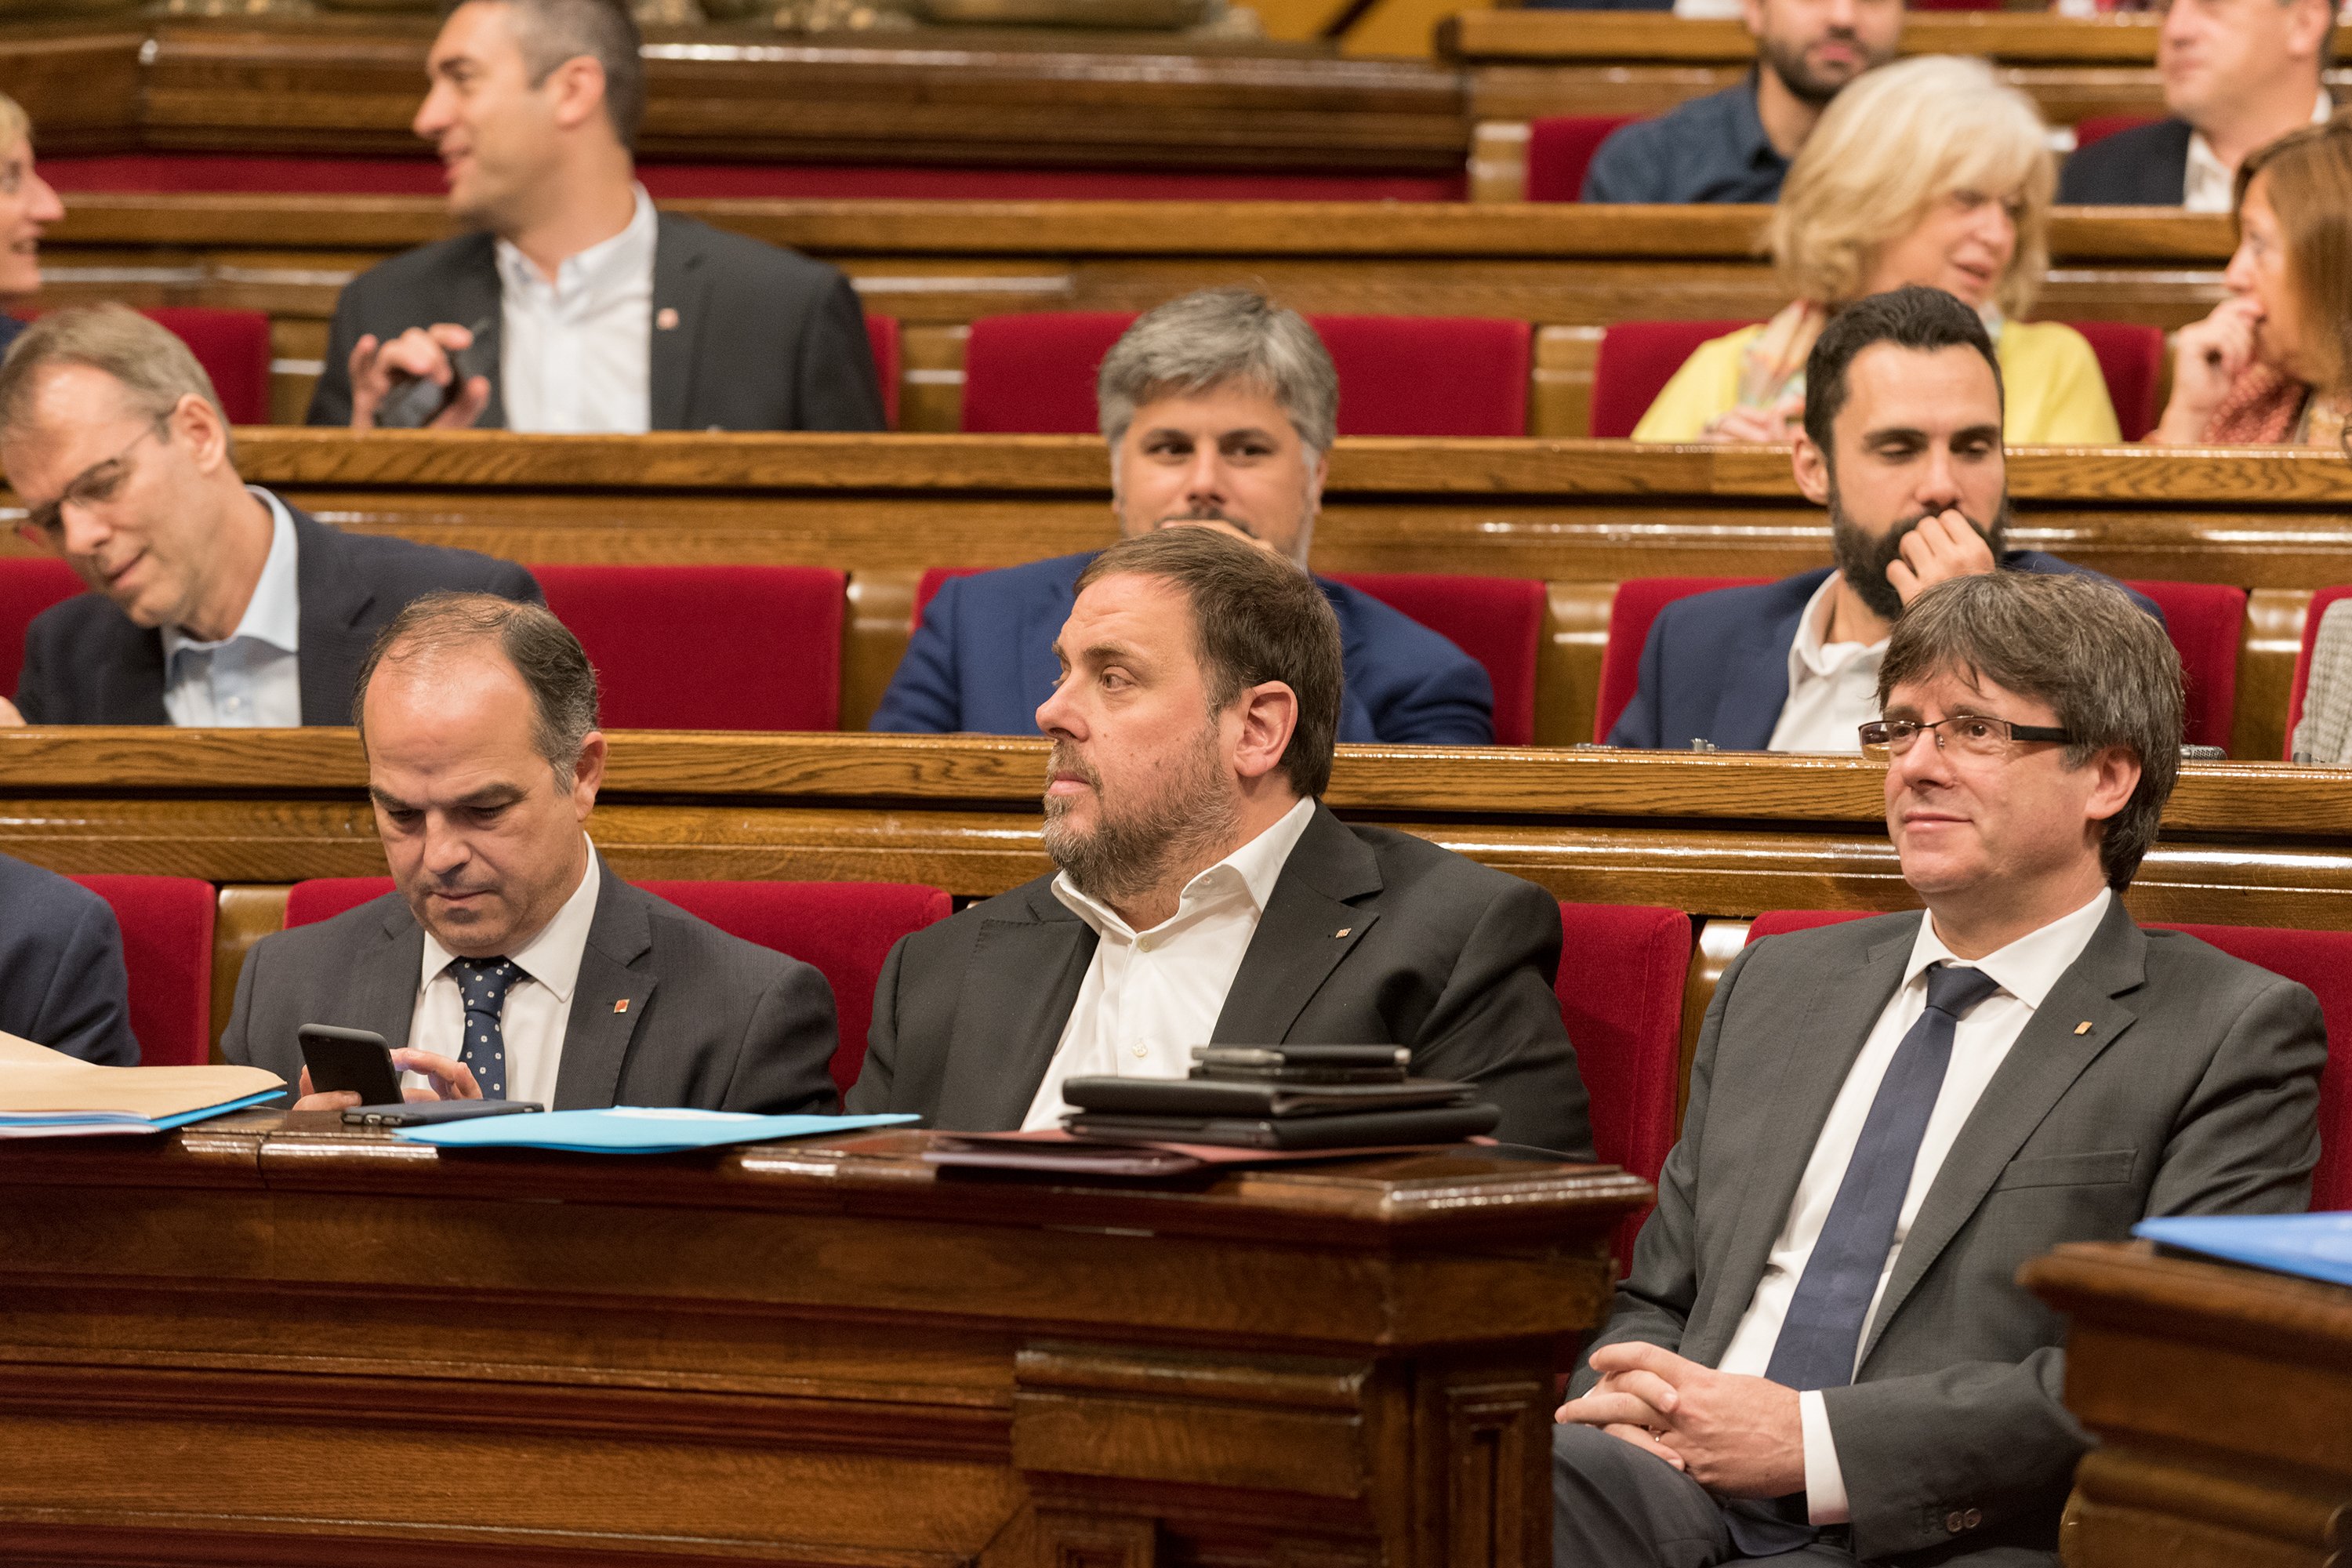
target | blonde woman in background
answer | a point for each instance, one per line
(1926, 172)
(27, 206)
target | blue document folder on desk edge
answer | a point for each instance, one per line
(634, 1129)
(65, 1118)
(2308, 1245)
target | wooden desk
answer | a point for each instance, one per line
(938, 266)
(269, 1340)
(2219, 1397)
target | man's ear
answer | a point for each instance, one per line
(579, 85)
(196, 421)
(2115, 775)
(1269, 715)
(1812, 465)
(588, 775)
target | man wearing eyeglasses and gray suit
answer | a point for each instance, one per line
(1822, 1353)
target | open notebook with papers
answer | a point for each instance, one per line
(49, 1094)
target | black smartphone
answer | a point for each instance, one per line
(425, 1112)
(353, 1061)
(414, 401)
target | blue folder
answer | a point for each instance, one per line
(634, 1130)
(2308, 1245)
(33, 1125)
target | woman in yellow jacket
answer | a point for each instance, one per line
(1929, 171)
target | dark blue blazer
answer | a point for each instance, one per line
(62, 983)
(982, 660)
(1716, 666)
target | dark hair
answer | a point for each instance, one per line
(1255, 617)
(550, 32)
(542, 650)
(1911, 317)
(2076, 643)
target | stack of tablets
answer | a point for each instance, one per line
(1282, 1096)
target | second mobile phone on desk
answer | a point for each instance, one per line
(357, 1061)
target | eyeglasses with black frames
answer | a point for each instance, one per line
(1970, 734)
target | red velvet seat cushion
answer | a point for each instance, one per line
(2099, 127)
(1034, 373)
(2313, 615)
(1622, 972)
(1635, 361)
(1561, 148)
(882, 337)
(1498, 621)
(29, 585)
(2131, 362)
(167, 946)
(2207, 621)
(233, 348)
(707, 647)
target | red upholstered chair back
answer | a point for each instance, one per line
(324, 897)
(1637, 604)
(2131, 362)
(233, 348)
(2099, 127)
(2320, 960)
(2312, 616)
(1561, 148)
(1636, 361)
(1620, 995)
(707, 647)
(1498, 621)
(932, 581)
(167, 946)
(2206, 621)
(1398, 376)
(882, 337)
(29, 585)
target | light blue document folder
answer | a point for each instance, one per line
(634, 1130)
(2311, 1246)
(68, 1124)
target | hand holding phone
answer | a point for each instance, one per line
(347, 1069)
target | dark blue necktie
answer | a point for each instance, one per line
(1823, 1332)
(483, 983)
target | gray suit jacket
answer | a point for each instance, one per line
(1372, 937)
(2195, 1091)
(712, 1022)
(765, 339)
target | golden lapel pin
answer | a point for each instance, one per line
(622, 1005)
(2084, 1028)
(1341, 932)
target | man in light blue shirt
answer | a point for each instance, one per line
(252, 678)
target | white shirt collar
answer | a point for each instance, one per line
(603, 267)
(553, 957)
(1248, 873)
(274, 614)
(1810, 653)
(2028, 967)
(2209, 187)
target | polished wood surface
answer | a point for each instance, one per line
(271, 1341)
(939, 266)
(2217, 1396)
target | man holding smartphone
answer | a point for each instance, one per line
(510, 963)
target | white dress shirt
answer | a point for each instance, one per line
(576, 355)
(2211, 185)
(537, 1007)
(251, 678)
(2026, 969)
(1833, 687)
(1150, 997)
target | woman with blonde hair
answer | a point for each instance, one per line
(27, 206)
(1924, 172)
(2272, 363)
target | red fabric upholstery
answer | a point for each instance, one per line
(928, 588)
(167, 946)
(1627, 1030)
(1637, 604)
(2312, 616)
(707, 647)
(2206, 621)
(2099, 127)
(1498, 621)
(1398, 376)
(1636, 361)
(233, 348)
(2320, 960)
(882, 337)
(844, 929)
(169, 173)
(1560, 148)
(2131, 359)
(29, 585)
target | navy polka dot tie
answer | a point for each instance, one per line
(483, 983)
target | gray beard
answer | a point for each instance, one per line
(1131, 850)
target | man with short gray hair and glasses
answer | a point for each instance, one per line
(1821, 1353)
(1219, 409)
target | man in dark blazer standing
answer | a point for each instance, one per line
(1902, 444)
(2238, 74)
(1822, 1349)
(572, 306)
(213, 602)
(62, 983)
(1205, 895)
(509, 962)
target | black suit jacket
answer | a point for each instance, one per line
(2146, 166)
(1372, 937)
(62, 983)
(87, 663)
(766, 338)
(713, 1022)
(2158, 1076)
